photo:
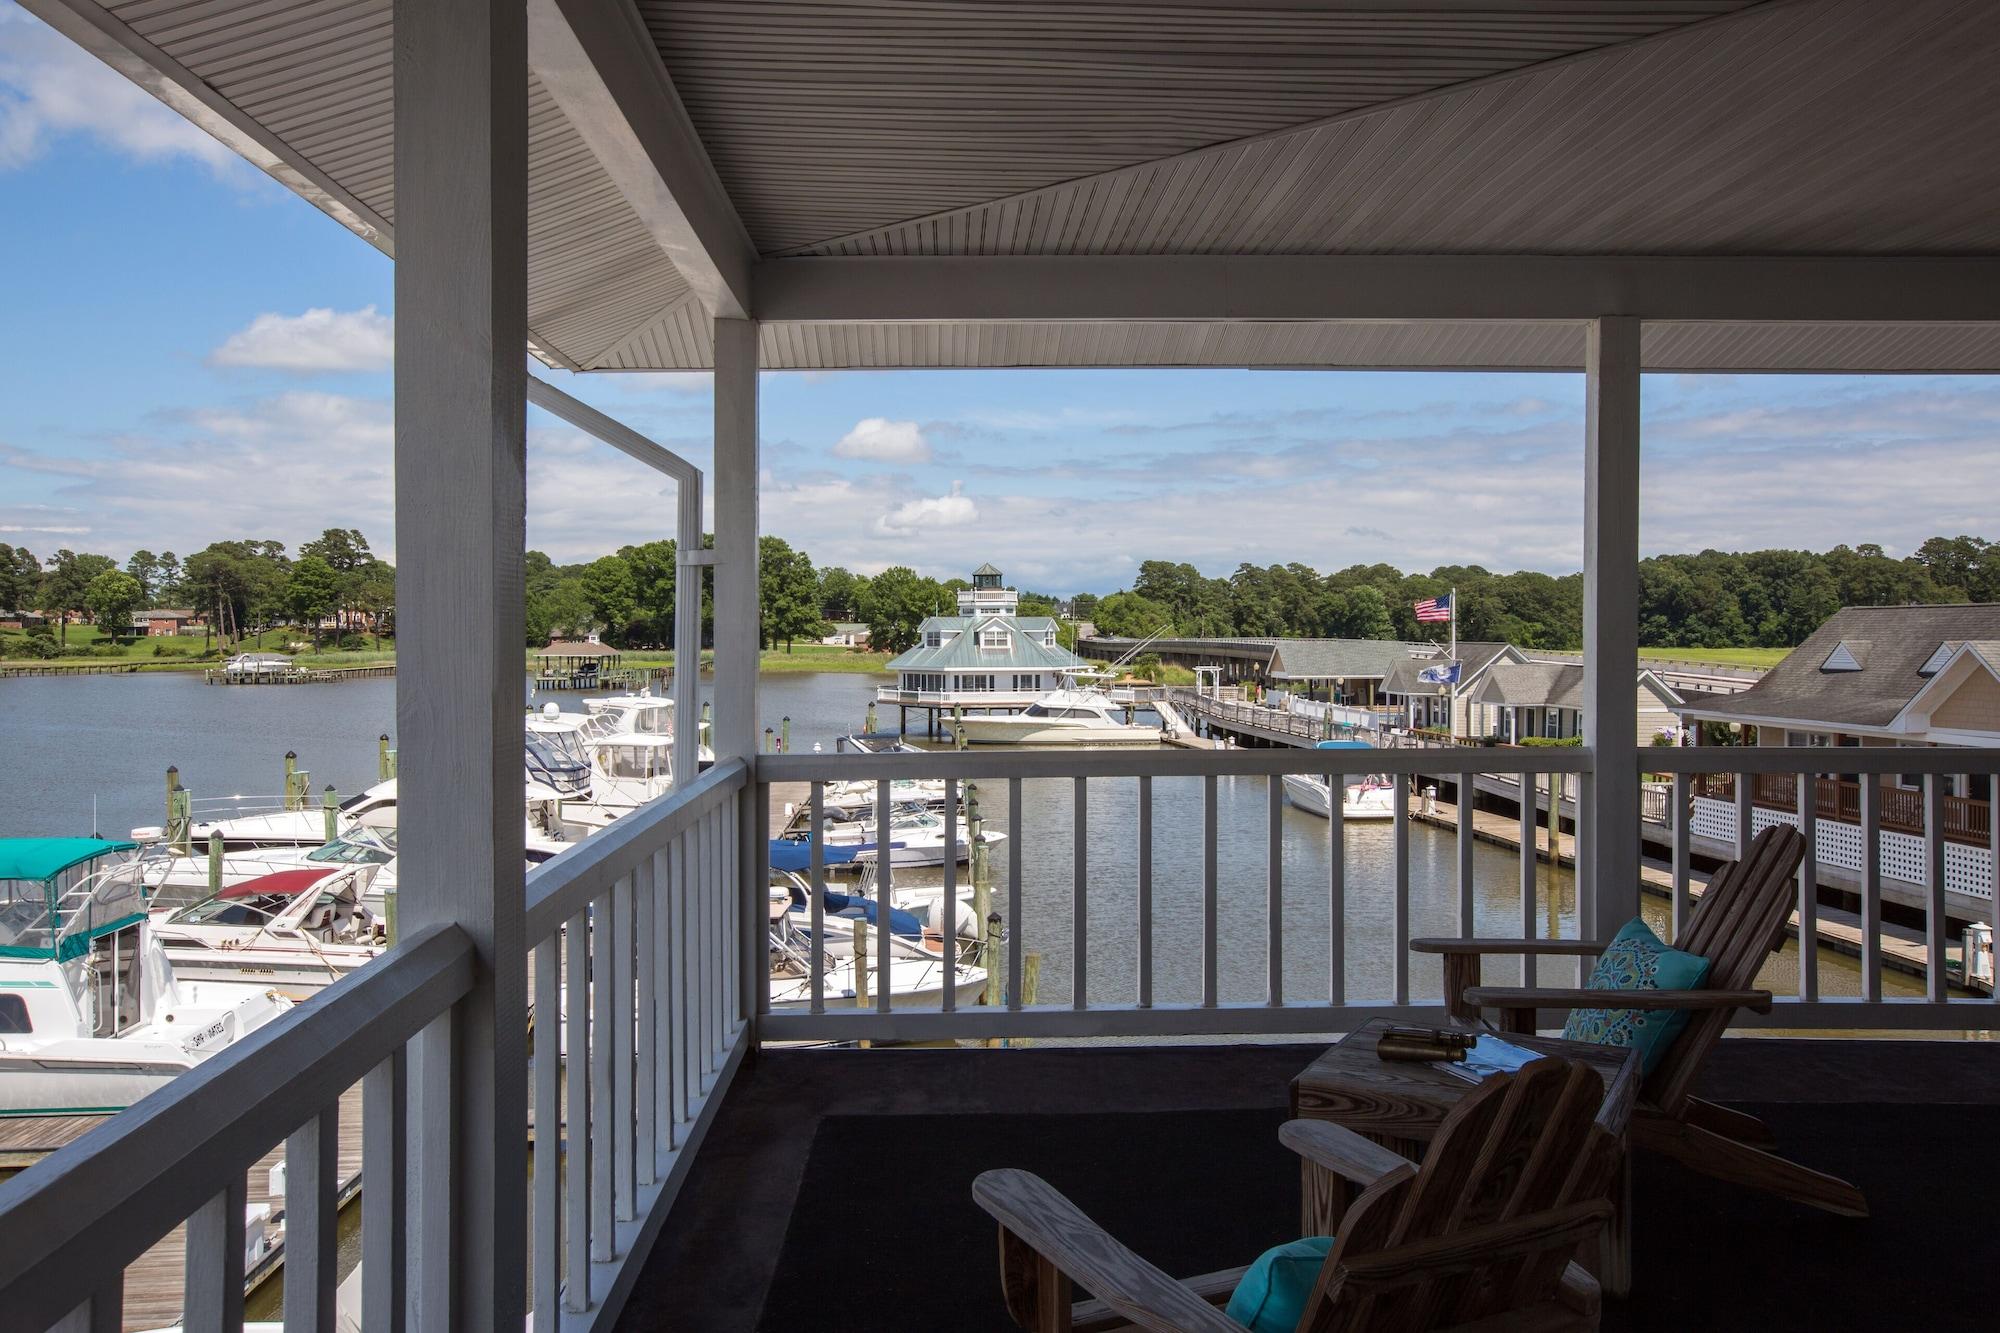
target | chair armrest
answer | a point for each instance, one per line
(1340, 1150)
(1514, 997)
(1469, 945)
(1033, 1210)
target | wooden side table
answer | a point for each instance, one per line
(1400, 1104)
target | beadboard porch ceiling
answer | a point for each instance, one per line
(847, 134)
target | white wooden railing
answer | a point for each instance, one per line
(72, 1223)
(1337, 1008)
(640, 960)
(1937, 1008)
(641, 943)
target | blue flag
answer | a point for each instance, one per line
(1439, 675)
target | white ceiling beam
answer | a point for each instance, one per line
(1374, 287)
(600, 64)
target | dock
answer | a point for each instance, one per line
(302, 676)
(78, 669)
(154, 1282)
(1903, 949)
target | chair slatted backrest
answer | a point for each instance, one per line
(1517, 1174)
(1739, 921)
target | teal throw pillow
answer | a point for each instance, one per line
(1272, 1294)
(1637, 960)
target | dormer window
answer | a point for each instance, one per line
(932, 639)
(994, 638)
(1935, 662)
(1846, 656)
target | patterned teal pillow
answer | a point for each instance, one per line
(1637, 960)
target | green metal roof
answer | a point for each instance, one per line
(963, 653)
(45, 858)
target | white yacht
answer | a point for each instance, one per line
(916, 837)
(1075, 714)
(916, 977)
(92, 1017)
(641, 714)
(293, 931)
(1369, 797)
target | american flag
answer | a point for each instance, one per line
(1434, 610)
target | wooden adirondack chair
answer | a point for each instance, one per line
(1479, 1236)
(1740, 920)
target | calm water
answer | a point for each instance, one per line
(65, 744)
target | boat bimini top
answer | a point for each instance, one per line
(55, 897)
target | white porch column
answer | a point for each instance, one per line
(1608, 890)
(735, 472)
(461, 74)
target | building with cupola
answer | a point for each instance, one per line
(986, 658)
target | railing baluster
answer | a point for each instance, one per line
(1934, 920)
(578, 1143)
(1274, 890)
(665, 1007)
(948, 900)
(1743, 819)
(885, 877)
(312, 1189)
(1468, 795)
(384, 1164)
(1079, 896)
(1525, 831)
(816, 909)
(603, 1033)
(1016, 951)
(1871, 887)
(428, 1210)
(546, 1285)
(214, 1262)
(708, 890)
(1399, 961)
(683, 928)
(1588, 925)
(1145, 859)
(645, 904)
(1683, 815)
(1808, 801)
(1336, 892)
(1209, 892)
(618, 1047)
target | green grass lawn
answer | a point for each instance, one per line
(1748, 657)
(803, 657)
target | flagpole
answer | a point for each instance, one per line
(1451, 721)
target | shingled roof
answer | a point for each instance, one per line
(1473, 659)
(1890, 646)
(1343, 659)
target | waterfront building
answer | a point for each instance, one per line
(1439, 706)
(1516, 701)
(988, 657)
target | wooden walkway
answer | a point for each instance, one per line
(303, 676)
(153, 1284)
(1902, 950)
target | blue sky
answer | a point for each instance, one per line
(192, 353)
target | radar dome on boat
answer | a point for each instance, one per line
(551, 710)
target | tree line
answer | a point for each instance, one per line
(238, 587)
(1714, 599)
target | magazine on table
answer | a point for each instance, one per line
(1489, 1055)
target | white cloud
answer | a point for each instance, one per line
(881, 440)
(50, 87)
(938, 511)
(319, 339)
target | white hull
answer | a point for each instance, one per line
(296, 974)
(84, 1077)
(912, 982)
(1312, 795)
(1047, 731)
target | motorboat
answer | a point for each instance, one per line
(92, 1017)
(294, 931)
(916, 837)
(306, 826)
(258, 666)
(641, 714)
(1074, 714)
(916, 976)
(1362, 797)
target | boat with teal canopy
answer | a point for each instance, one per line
(54, 900)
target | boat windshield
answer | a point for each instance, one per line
(348, 851)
